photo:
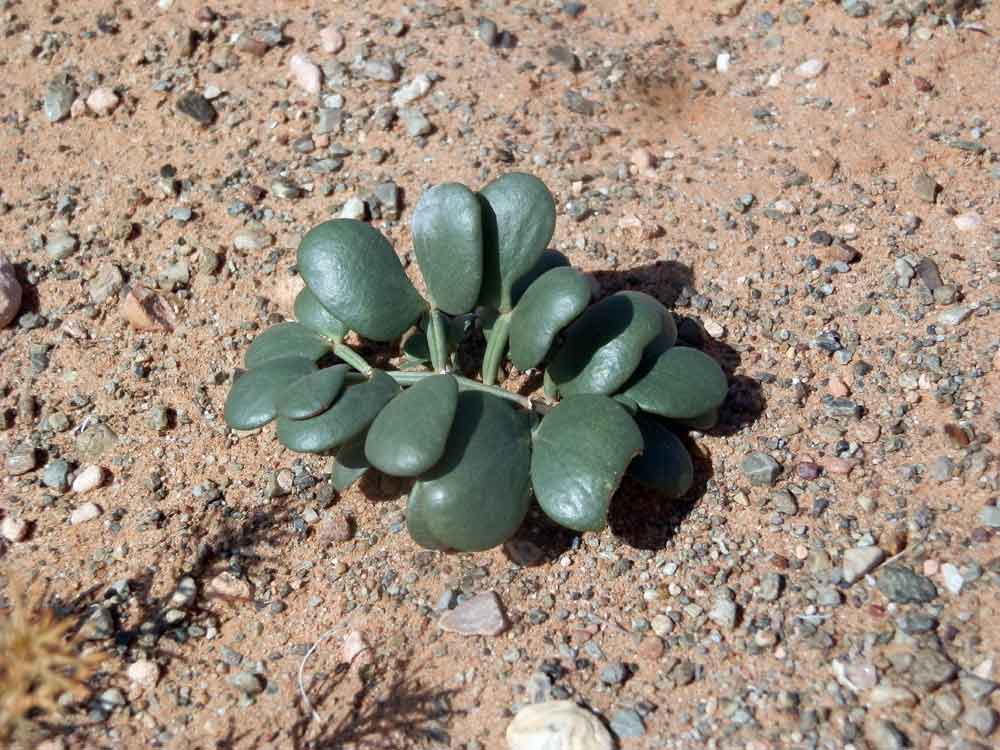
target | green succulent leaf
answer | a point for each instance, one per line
(478, 494)
(605, 345)
(555, 299)
(665, 339)
(415, 347)
(549, 259)
(310, 395)
(355, 274)
(580, 453)
(349, 416)
(448, 242)
(681, 383)
(702, 422)
(285, 340)
(519, 217)
(350, 464)
(310, 312)
(665, 463)
(252, 401)
(408, 436)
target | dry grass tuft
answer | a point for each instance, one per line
(39, 663)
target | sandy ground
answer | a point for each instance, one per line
(677, 111)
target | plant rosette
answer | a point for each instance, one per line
(619, 390)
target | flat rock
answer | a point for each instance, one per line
(760, 469)
(901, 585)
(858, 561)
(557, 725)
(481, 615)
(197, 107)
(59, 98)
(21, 460)
(84, 513)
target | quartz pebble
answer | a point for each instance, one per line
(144, 673)
(858, 561)
(557, 725)
(102, 101)
(480, 615)
(14, 529)
(10, 292)
(968, 221)
(89, 479)
(248, 240)
(84, 513)
(810, 68)
(306, 73)
(412, 91)
(331, 40)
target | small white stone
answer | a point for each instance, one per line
(774, 80)
(859, 560)
(89, 479)
(102, 101)
(14, 529)
(144, 673)
(785, 206)
(212, 92)
(353, 209)
(86, 512)
(967, 222)
(714, 328)
(412, 91)
(557, 725)
(353, 645)
(331, 40)
(810, 68)
(722, 61)
(305, 73)
(952, 578)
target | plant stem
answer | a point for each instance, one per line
(437, 341)
(496, 347)
(352, 358)
(405, 378)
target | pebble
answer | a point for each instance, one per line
(810, 69)
(248, 683)
(59, 98)
(84, 513)
(488, 32)
(990, 515)
(557, 725)
(108, 281)
(884, 735)
(901, 585)
(968, 222)
(10, 292)
(21, 460)
(145, 310)
(412, 91)
(331, 40)
(306, 73)
(415, 122)
(55, 475)
(197, 107)
(248, 240)
(760, 469)
(955, 315)
(626, 722)
(381, 70)
(614, 674)
(337, 527)
(858, 561)
(96, 440)
(354, 208)
(925, 187)
(480, 615)
(982, 719)
(90, 478)
(228, 585)
(952, 578)
(14, 529)
(61, 245)
(102, 101)
(144, 673)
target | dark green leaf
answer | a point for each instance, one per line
(349, 465)
(579, 454)
(418, 526)
(408, 437)
(312, 394)
(354, 272)
(549, 305)
(311, 313)
(665, 339)
(251, 402)
(605, 344)
(285, 340)
(415, 347)
(346, 419)
(702, 422)
(448, 242)
(519, 217)
(478, 494)
(680, 384)
(550, 259)
(665, 463)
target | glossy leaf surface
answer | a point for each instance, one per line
(519, 217)
(580, 453)
(605, 345)
(350, 464)
(681, 383)
(355, 274)
(478, 494)
(309, 311)
(555, 299)
(408, 436)
(312, 394)
(252, 401)
(350, 416)
(448, 242)
(665, 463)
(546, 262)
(285, 340)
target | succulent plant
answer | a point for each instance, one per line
(618, 388)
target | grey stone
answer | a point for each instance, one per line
(480, 615)
(626, 722)
(760, 469)
(575, 102)
(488, 32)
(21, 460)
(285, 189)
(884, 735)
(388, 196)
(59, 98)
(976, 688)
(248, 683)
(990, 515)
(855, 8)
(724, 613)
(771, 585)
(565, 57)
(61, 245)
(982, 719)
(99, 626)
(381, 70)
(954, 315)
(108, 281)
(55, 475)
(928, 273)
(931, 669)
(415, 122)
(858, 561)
(901, 585)
(925, 187)
(96, 440)
(614, 674)
(197, 107)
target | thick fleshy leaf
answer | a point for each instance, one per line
(448, 242)
(702, 422)
(312, 394)
(252, 401)
(408, 436)
(415, 347)
(579, 455)
(549, 305)
(478, 494)
(549, 259)
(605, 345)
(349, 465)
(417, 525)
(309, 311)
(665, 463)
(285, 340)
(350, 416)
(355, 274)
(665, 339)
(680, 384)
(519, 217)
